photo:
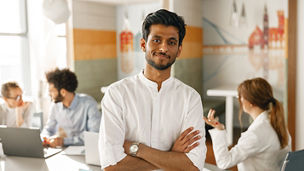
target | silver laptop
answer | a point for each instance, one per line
(25, 142)
(91, 148)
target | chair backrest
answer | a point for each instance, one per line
(294, 161)
(37, 120)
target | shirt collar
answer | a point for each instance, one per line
(153, 84)
(73, 104)
(262, 117)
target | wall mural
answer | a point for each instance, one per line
(126, 48)
(252, 43)
(131, 59)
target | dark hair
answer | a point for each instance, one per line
(62, 79)
(167, 18)
(6, 87)
(259, 93)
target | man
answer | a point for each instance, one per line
(144, 115)
(15, 112)
(71, 114)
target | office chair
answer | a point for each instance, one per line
(37, 120)
(294, 161)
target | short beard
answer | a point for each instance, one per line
(159, 67)
(59, 98)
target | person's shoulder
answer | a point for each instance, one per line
(85, 97)
(181, 86)
(263, 130)
(31, 105)
(2, 106)
(125, 82)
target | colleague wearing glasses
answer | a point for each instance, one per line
(15, 112)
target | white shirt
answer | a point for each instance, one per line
(257, 149)
(8, 115)
(133, 109)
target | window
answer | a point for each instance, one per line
(14, 58)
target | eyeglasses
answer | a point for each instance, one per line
(17, 98)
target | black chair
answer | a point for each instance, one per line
(294, 161)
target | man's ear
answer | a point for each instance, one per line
(143, 44)
(179, 51)
(63, 92)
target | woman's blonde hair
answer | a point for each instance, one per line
(6, 87)
(259, 93)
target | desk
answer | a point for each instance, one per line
(58, 162)
(229, 92)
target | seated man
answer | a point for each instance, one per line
(15, 112)
(71, 114)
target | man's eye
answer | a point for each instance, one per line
(156, 40)
(172, 43)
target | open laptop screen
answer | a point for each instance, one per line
(24, 142)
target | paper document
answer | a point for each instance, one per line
(74, 150)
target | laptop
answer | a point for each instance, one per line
(294, 161)
(90, 145)
(25, 142)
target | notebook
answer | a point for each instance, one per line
(25, 142)
(91, 148)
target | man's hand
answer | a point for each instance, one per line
(46, 142)
(55, 141)
(184, 142)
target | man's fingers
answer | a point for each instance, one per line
(191, 135)
(191, 141)
(189, 148)
(185, 133)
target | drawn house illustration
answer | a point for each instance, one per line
(275, 36)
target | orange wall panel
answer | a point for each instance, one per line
(94, 44)
(193, 43)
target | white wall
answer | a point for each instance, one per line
(93, 15)
(300, 79)
(191, 10)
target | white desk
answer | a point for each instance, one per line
(58, 162)
(229, 92)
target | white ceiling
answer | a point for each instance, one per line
(121, 2)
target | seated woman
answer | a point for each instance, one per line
(14, 112)
(266, 142)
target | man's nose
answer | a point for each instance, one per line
(163, 47)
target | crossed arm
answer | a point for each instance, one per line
(148, 158)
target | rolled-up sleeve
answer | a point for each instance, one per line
(195, 119)
(112, 129)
